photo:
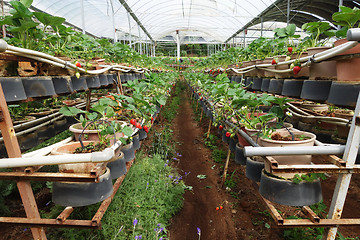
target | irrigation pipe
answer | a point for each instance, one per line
(305, 150)
(96, 157)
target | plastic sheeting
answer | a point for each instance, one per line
(200, 21)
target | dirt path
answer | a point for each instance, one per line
(200, 204)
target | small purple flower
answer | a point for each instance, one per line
(170, 176)
(165, 165)
(159, 224)
(198, 231)
(25, 229)
(135, 222)
(47, 204)
(175, 158)
(161, 238)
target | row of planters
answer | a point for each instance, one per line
(287, 45)
(28, 88)
(261, 117)
(35, 31)
(113, 120)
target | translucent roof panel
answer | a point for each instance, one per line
(208, 20)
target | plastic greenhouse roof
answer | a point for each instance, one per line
(200, 21)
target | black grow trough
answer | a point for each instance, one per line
(13, 89)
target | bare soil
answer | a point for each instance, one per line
(245, 215)
(241, 217)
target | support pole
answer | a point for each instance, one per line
(226, 167)
(178, 45)
(209, 128)
(130, 42)
(261, 26)
(140, 42)
(82, 16)
(288, 13)
(113, 20)
(3, 14)
(343, 182)
(13, 151)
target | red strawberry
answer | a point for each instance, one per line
(273, 62)
(138, 125)
(133, 121)
(199, 94)
(146, 129)
(221, 127)
(201, 98)
(161, 106)
(296, 70)
(228, 134)
(290, 49)
(221, 207)
(217, 208)
(152, 119)
(78, 64)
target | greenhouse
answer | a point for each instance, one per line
(180, 120)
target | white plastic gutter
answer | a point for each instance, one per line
(250, 151)
(96, 157)
(46, 150)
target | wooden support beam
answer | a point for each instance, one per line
(13, 150)
(42, 222)
(209, 128)
(310, 213)
(64, 214)
(50, 177)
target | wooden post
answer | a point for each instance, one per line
(226, 167)
(120, 84)
(208, 133)
(88, 100)
(13, 151)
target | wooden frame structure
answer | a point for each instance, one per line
(24, 176)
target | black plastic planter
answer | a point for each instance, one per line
(225, 138)
(93, 82)
(344, 94)
(82, 194)
(257, 82)
(37, 87)
(117, 167)
(28, 141)
(276, 86)
(292, 87)
(142, 134)
(286, 192)
(316, 90)
(111, 78)
(46, 132)
(253, 169)
(232, 144)
(239, 155)
(249, 82)
(79, 84)
(62, 85)
(265, 84)
(129, 152)
(237, 79)
(13, 89)
(136, 141)
(103, 80)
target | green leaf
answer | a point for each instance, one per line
(70, 111)
(267, 226)
(26, 3)
(127, 131)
